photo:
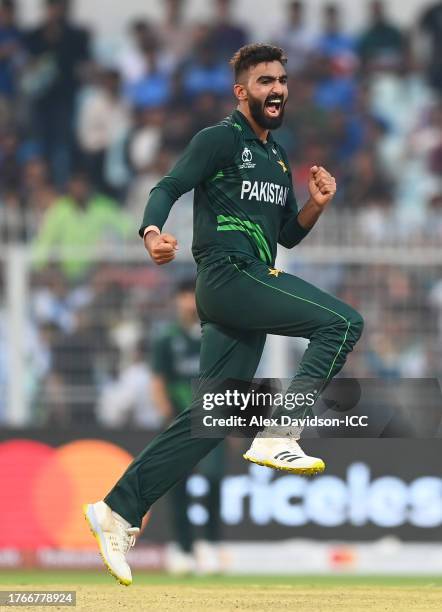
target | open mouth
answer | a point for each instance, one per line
(273, 105)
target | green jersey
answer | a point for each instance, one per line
(244, 202)
(176, 357)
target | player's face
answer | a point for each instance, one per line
(267, 94)
(186, 306)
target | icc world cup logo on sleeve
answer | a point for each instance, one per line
(247, 157)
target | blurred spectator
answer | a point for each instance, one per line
(178, 129)
(382, 43)
(420, 169)
(153, 87)
(127, 400)
(365, 183)
(25, 189)
(58, 51)
(344, 132)
(12, 219)
(10, 48)
(206, 111)
(431, 25)
(370, 131)
(103, 117)
(355, 130)
(174, 34)
(136, 61)
(334, 88)
(425, 142)
(12, 214)
(70, 386)
(297, 40)
(136, 148)
(10, 162)
(333, 42)
(304, 119)
(205, 73)
(227, 36)
(38, 193)
(132, 61)
(55, 303)
(143, 141)
(145, 181)
(78, 223)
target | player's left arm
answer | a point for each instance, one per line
(322, 188)
(296, 225)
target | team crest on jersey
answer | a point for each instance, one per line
(246, 157)
(282, 164)
(274, 272)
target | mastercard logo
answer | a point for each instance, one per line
(43, 490)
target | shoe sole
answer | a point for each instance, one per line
(316, 468)
(95, 529)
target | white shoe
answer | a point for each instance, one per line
(207, 559)
(114, 539)
(178, 562)
(283, 454)
(211, 558)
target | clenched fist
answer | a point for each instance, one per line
(322, 185)
(161, 247)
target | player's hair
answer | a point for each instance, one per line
(251, 55)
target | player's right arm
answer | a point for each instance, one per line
(208, 152)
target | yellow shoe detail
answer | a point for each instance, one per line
(316, 468)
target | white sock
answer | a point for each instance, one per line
(121, 519)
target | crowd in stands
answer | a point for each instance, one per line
(84, 138)
(365, 104)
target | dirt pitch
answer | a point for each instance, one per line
(254, 596)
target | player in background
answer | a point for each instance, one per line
(175, 363)
(244, 206)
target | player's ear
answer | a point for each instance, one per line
(240, 92)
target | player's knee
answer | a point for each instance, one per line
(356, 326)
(348, 325)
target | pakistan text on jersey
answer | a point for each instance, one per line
(264, 191)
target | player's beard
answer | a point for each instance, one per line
(257, 111)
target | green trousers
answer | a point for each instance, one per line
(239, 301)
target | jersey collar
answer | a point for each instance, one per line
(246, 128)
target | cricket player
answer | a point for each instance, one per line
(244, 205)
